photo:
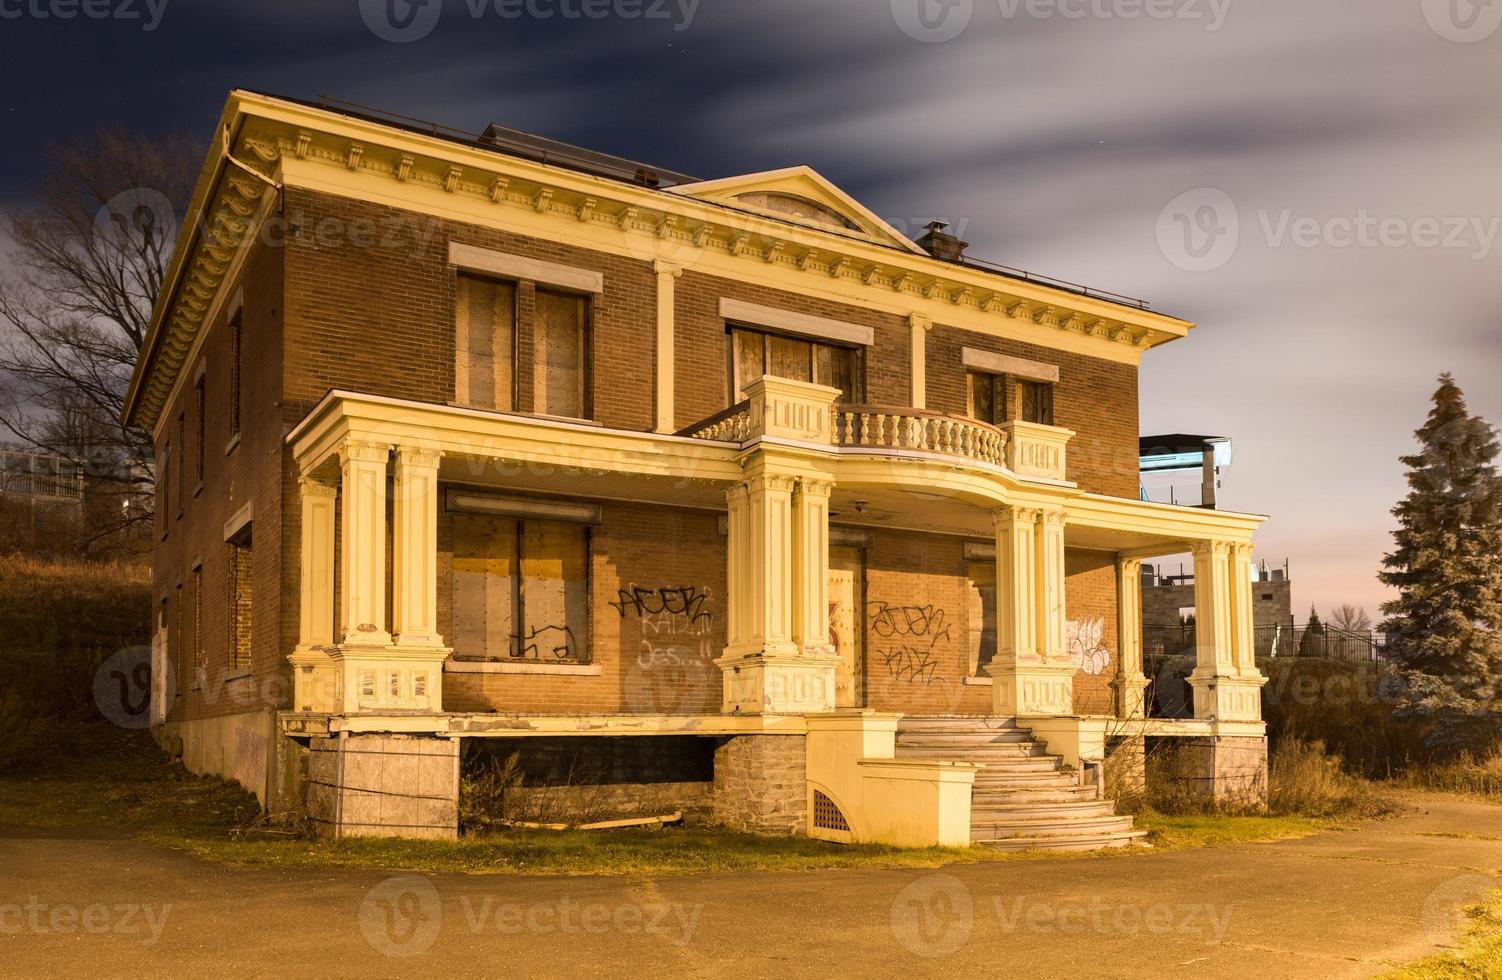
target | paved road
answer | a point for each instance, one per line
(1347, 904)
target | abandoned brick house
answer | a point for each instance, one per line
(473, 442)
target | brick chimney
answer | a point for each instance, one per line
(942, 245)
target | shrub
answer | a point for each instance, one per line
(1303, 780)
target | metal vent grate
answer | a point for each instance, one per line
(827, 816)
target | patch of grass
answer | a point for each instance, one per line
(1479, 956)
(1176, 832)
(125, 783)
(1474, 775)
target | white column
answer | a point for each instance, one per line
(363, 465)
(1050, 587)
(811, 567)
(920, 326)
(667, 274)
(1016, 585)
(768, 583)
(414, 580)
(737, 545)
(1130, 682)
(316, 579)
(1222, 619)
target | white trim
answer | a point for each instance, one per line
(978, 681)
(237, 522)
(487, 260)
(511, 667)
(822, 327)
(980, 551)
(476, 502)
(1021, 367)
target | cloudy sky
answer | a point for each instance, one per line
(1314, 182)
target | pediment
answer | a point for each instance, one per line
(800, 195)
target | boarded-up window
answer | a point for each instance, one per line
(521, 590)
(485, 343)
(1037, 402)
(754, 354)
(987, 397)
(559, 342)
(485, 586)
(981, 577)
(240, 601)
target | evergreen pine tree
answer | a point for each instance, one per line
(1445, 627)
(1312, 642)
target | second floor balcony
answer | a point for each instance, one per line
(779, 408)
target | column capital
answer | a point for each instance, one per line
(1207, 549)
(665, 268)
(815, 488)
(1052, 516)
(775, 482)
(1129, 566)
(920, 321)
(420, 456)
(364, 451)
(1013, 515)
(311, 487)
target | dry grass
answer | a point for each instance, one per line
(1304, 779)
(1478, 775)
(55, 604)
(1478, 957)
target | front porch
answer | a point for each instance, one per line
(811, 566)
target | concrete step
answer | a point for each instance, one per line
(994, 763)
(1002, 795)
(964, 740)
(957, 723)
(987, 811)
(996, 778)
(1079, 842)
(1054, 826)
(975, 751)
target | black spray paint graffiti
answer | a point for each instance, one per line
(542, 642)
(675, 659)
(906, 637)
(682, 600)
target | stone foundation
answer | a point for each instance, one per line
(761, 784)
(384, 786)
(1227, 771)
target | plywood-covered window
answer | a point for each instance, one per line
(1037, 401)
(521, 590)
(241, 600)
(981, 588)
(560, 345)
(988, 396)
(485, 343)
(755, 353)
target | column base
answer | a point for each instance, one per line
(777, 683)
(315, 679)
(390, 678)
(1224, 771)
(1032, 689)
(1227, 698)
(384, 786)
(1131, 696)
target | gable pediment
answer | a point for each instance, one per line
(800, 195)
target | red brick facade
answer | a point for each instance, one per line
(326, 308)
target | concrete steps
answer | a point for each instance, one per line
(1023, 798)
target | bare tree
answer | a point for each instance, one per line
(1350, 619)
(88, 259)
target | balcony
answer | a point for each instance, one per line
(795, 410)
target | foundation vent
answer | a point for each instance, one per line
(827, 816)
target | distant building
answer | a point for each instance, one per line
(41, 502)
(1168, 596)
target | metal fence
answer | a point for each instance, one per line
(1169, 656)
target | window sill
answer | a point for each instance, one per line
(198, 489)
(510, 667)
(233, 444)
(237, 675)
(978, 681)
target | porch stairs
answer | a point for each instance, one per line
(1023, 798)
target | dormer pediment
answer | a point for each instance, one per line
(800, 195)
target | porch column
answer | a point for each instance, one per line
(1031, 672)
(1130, 683)
(1220, 691)
(811, 567)
(314, 681)
(363, 466)
(770, 567)
(414, 582)
(667, 275)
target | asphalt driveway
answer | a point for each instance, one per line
(1345, 904)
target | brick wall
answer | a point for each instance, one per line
(1090, 604)
(1094, 397)
(657, 621)
(760, 784)
(235, 474)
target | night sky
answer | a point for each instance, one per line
(1349, 153)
